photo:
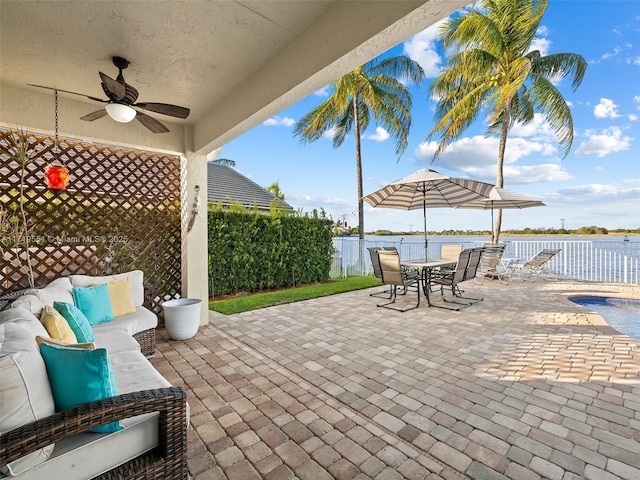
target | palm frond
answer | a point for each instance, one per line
(560, 65)
(549, 100)
(493, 70)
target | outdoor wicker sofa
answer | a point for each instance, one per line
(40, 441)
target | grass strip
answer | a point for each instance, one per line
(244, 303)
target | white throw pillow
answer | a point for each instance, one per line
(59, 290)
(25, 395)
(136, 277)
(24, 322)
(30, 302)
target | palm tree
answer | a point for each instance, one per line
(224, 161)
(371, 90)
(274, 189)
(493, 70)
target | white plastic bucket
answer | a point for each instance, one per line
(182, 317)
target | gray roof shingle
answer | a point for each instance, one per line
(226, 186)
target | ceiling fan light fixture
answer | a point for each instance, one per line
(120, 112)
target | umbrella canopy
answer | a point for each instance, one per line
(428, 188)
(503, 199)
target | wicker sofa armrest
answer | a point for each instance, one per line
(168, 460)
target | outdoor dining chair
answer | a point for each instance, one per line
(491, 264)
(375, 262)
(395, 276)
(465, 269)
(450, 252)
(537, 266)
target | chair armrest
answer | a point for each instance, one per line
(170, 402)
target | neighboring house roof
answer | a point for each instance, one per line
(226, 186)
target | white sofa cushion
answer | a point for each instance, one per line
(133, 372)
(83, 456)
(115, 341)
(132, 323)
(19, 324)
(135, 276)
(25, 395)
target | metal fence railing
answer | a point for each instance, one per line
(613, 262)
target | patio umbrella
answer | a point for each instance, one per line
(428, 188)
(503, 199)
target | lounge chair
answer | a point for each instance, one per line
(491, 264)
(375, 262)
(536, 266)
(394, 276)
(465, 269)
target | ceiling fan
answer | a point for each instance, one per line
(121, 102)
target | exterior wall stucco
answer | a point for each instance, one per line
(195, 265)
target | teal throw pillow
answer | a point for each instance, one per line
(79, 376)
(94, 302)
(76, 320)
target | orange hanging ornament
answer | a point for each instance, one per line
(56, 176)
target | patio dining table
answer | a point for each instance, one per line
(426, 268)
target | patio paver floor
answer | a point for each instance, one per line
(524, 385)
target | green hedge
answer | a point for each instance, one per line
(249, 251)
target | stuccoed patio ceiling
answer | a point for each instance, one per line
(234, 63)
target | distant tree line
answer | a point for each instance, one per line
(590, 230)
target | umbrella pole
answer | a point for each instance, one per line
(492, 226)
(424, 214)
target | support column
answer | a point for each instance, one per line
(195, 265)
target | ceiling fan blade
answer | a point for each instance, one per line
(151, 123)
(90, 117)
(67, 91)
(113, 87)
(165, 109)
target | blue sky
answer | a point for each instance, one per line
(598, 183)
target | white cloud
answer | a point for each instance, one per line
(537, 129)
(543, 30)
(598, 193)
(335, 207)
(477, 156)
(380, 136)
(606, 109)
(636, 100)
(279, 122)
(542, 44)
(609, 140)
(545, 172)
(615, 52)
(422, 48)
(633, 117)
(330, 133)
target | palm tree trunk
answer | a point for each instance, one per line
(358, 169)
(495, 238)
